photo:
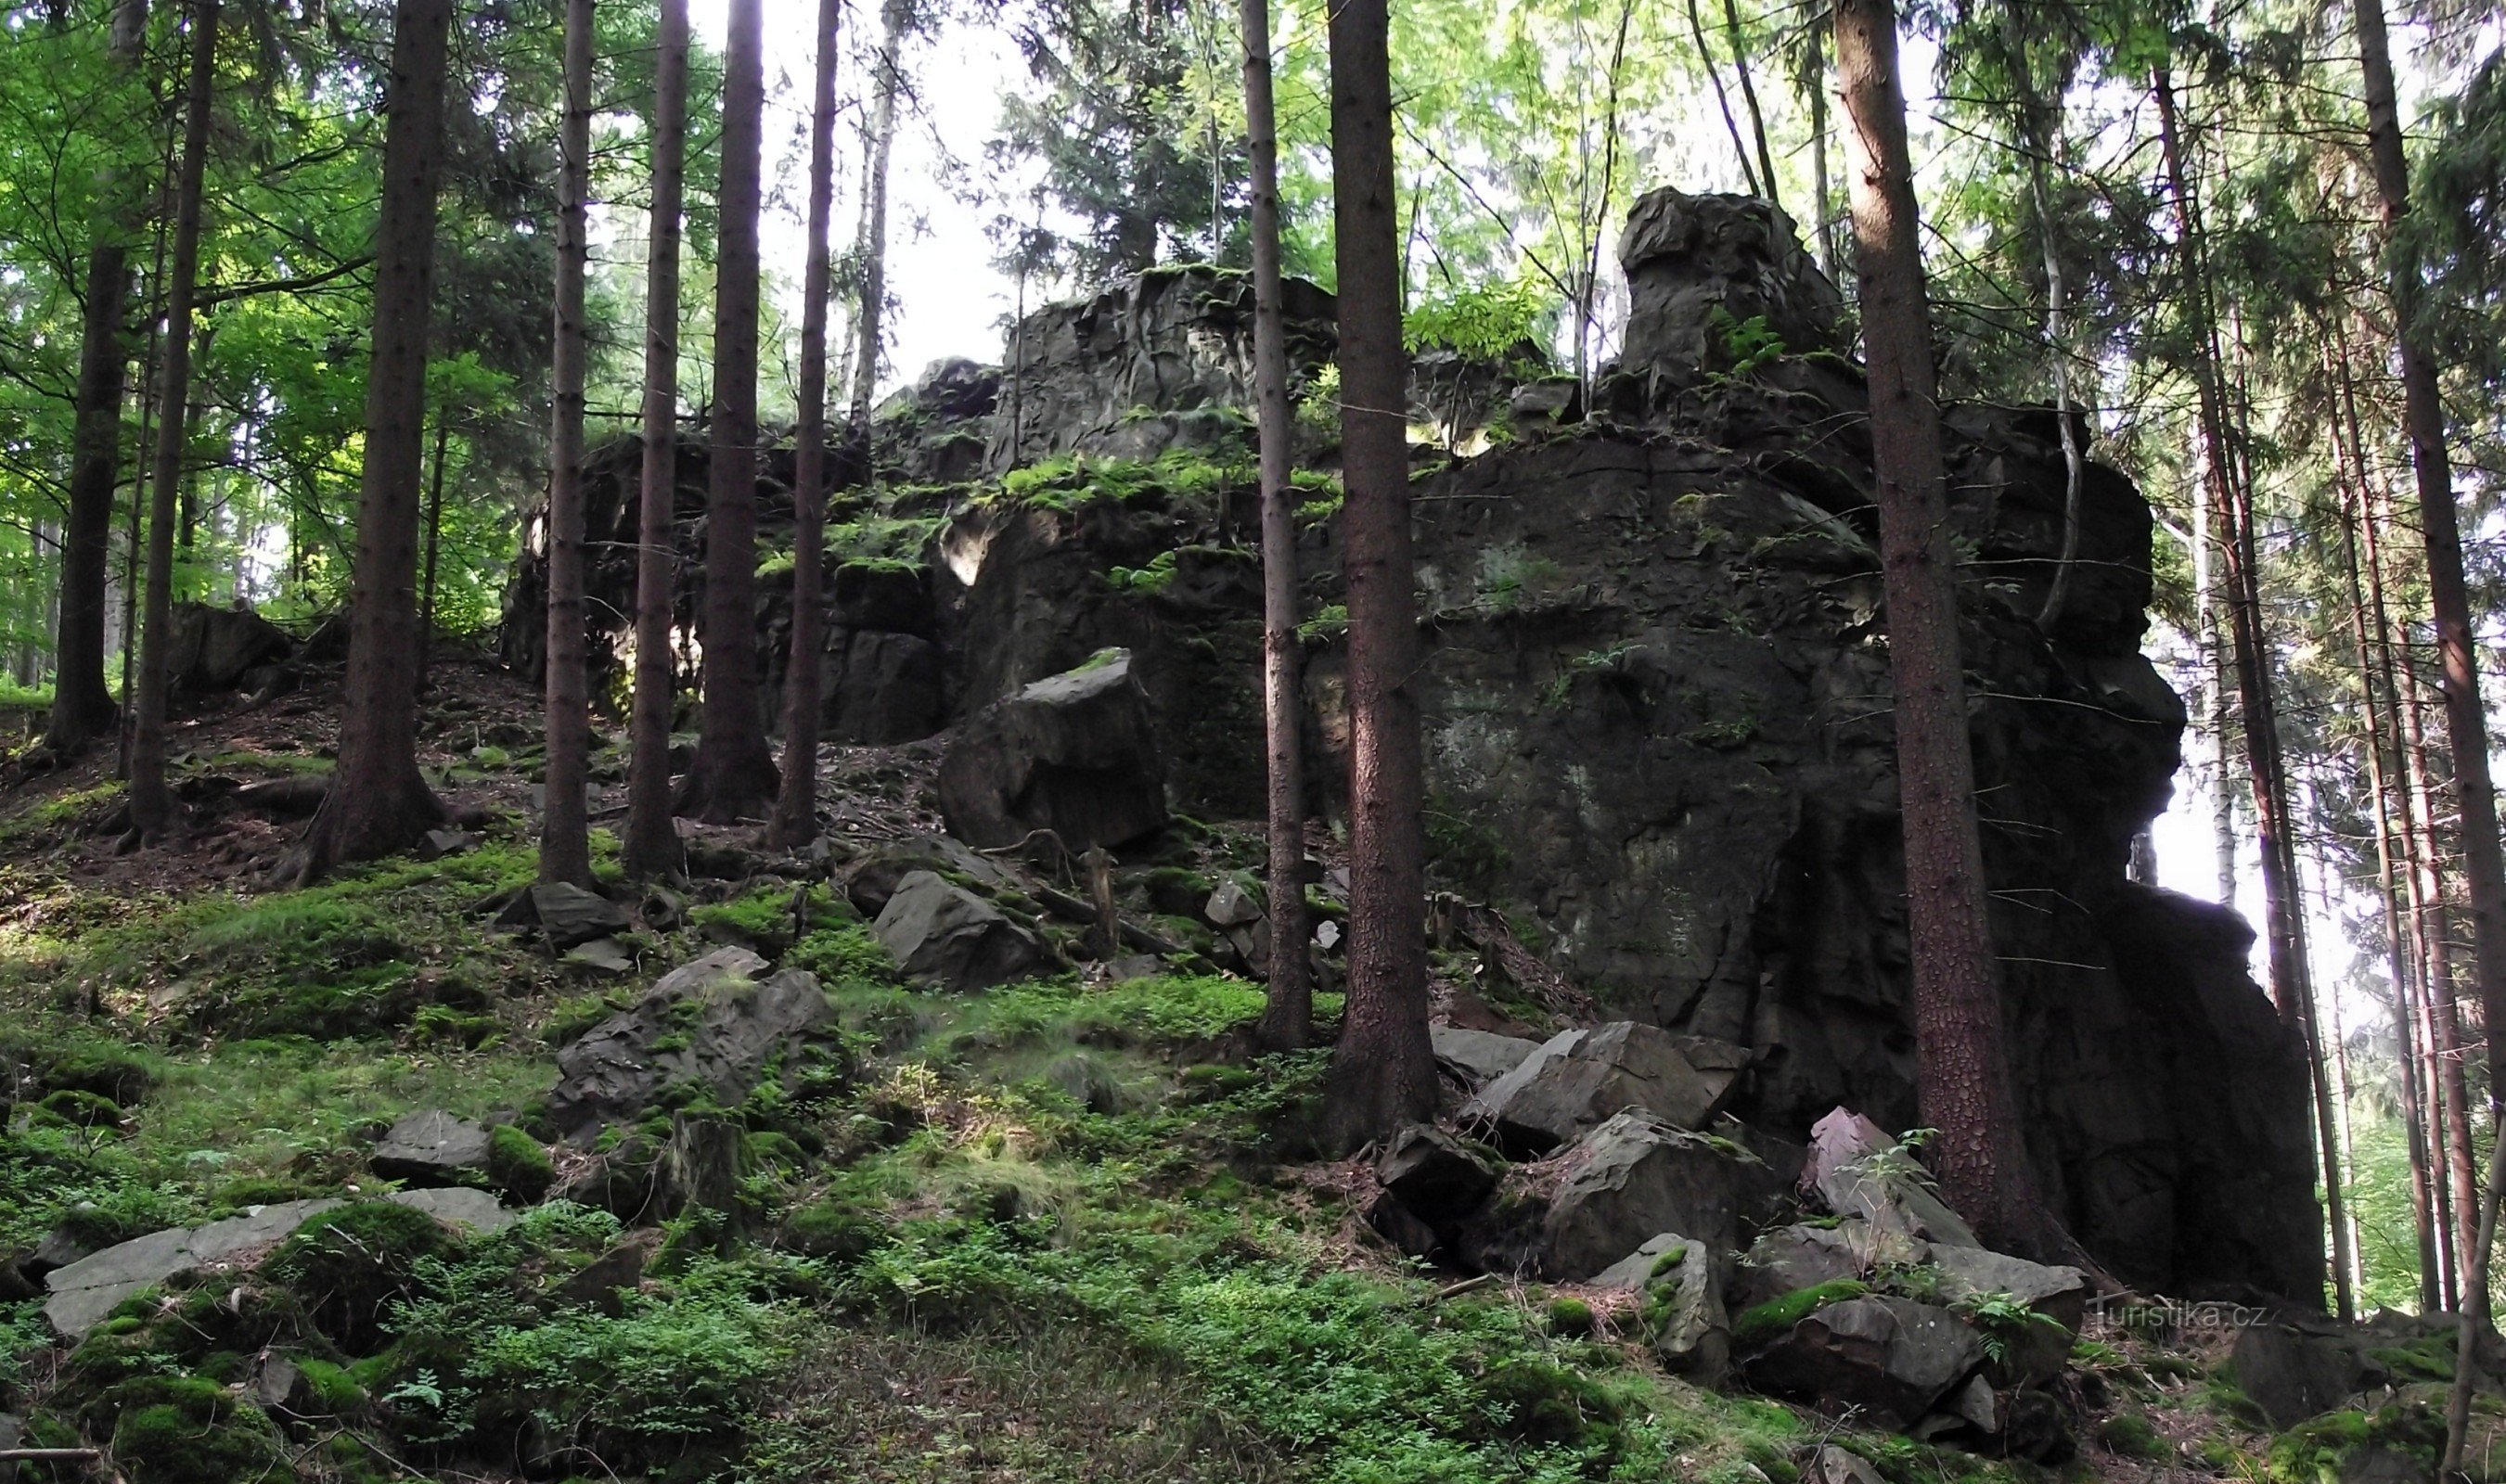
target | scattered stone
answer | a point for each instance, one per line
(1892, 1358)
(1831, 1465)
(945, 935)
(1075, 754)
(1476, 1058)
(1397, 1224)
(213, 649)
(1578, 1077)
(1631, 1178)
(60, 1247)
(2034, 1352)
(874, 881)
(1860, 1171)
(431, 1145)
(601, 955)
(85, 1292)
(1135, 966)
(2293, 1374)
(440, 843)
(571, 916)
(1230, 906)
(713, 1023)
(1434, 1174)
(1790, 1258)
(1682, 1304)
(1327, 934)
(459, 1206)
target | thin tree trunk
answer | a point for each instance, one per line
(651, 848)
(733, 777)
(378, 802)
(1722, 102)
(135, 534)
(878, 147)
(2483, 860)
(1749, 100)
(152, 804)
(796, 811)
(2444, 1007)
(566, 825)
(434, 545)
(1382, 1074)
(1825, 225)
(2040, 140)
(1288, 1015)
(1961, 1070)
(83, 709)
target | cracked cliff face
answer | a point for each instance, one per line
(1657, 710)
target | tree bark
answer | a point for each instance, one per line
(733, 777)
(795, 810)
(378, 802)
(2484, 861)
(565, 824)
(878, 146)
(1382, 1074)
(2459, 1197)
(651, 848)
(83, 709)
(1288, 1014)
(434, 543)
(152, 804)
(1962, 1067)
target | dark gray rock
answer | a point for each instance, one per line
(83, 1292)
(2035, 1352)
(1680, 1304)
(1231, 904)
(431, 1145)
(875, 878)
(1630, 1179)
(713, 1023)
(1476, 1058)
(2295, 1371)
(1860, 1172)
(1892, 1358)
(944, 935)
(1579, 1078)
(1434, 1174)
(1075, 754)
(1399, 1225)
(1700, 267)
(214, 649)
(878, 688)
(1789, 1258)
(1831, 1465)
(571, 916)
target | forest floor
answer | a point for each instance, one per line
(1061, 1231)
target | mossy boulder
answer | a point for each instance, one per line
(185, 1430)
(518, 1165)
(350, 1262)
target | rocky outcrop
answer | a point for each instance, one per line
(1656, 699)
(1892, 1358)
(1579, 1078)
(949, 938)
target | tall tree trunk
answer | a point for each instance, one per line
(2377, 756)
(2484, 861)
(83, 709)
(1288, 1015)
(2041, 136)
(796, 811)
(378, 801)
(2445, 1035)
(1825, 224)
(733, 777)
(652, 845)
(565, 824)
(896, 17)
(133, 535)
(1382, 1074)
(1962, 1067)
(1722, 100)
(152, 804)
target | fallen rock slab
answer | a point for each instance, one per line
(1891, 1358)
(1579, 1078)
(431, 1145)
(942, 934)
(571, 916)
(1631, 1178)
(1859, 1171)
(713, 1023)
(1681, 1305)
(1075, 754)
(1435, 1174)
(1476, 1058)
(83, 1292)
(1789, 1258)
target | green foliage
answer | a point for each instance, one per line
(190, 1431)
(765, 918)
(352, 1263)
(1773, 1320)
(1491, 321)
(846, 958)
(517, 1165)
(2131, 1435)
(1745, 345)
(1329, 622)
(1569, 1319)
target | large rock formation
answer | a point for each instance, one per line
(1657, 701)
